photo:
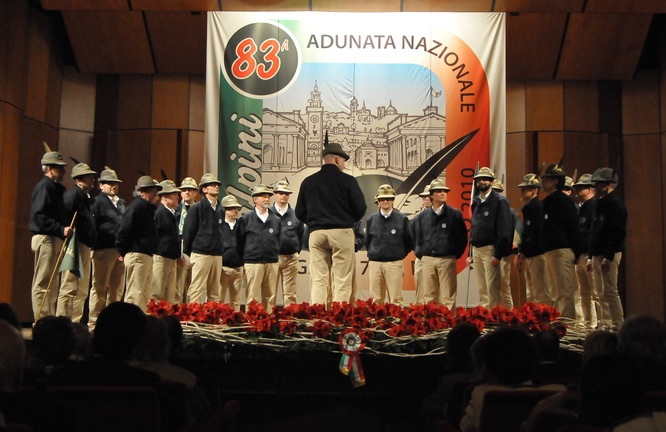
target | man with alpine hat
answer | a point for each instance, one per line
(291, 240)
(442, 235)
(587, 206)
(530, 254)
(49, 226)
(388, 240)
(137, 240)
(108, 271)
(609, 230)
(232, 268)
(188, 191)
(491, 237)
(202, 241)
(165, 260)
(329, 203)
(259, 247)
(559, 240)
(75, 284)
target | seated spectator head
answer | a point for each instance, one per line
(459, 344)
(175, 330)
(83, 348)
(548, 345)
(53, 340)
(118, 328)
(510, 354)
(643, 337)
(610, 390)
(7, 314)
(598, 342)
(12, 357)
(154, 344)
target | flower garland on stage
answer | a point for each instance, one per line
(382, 329)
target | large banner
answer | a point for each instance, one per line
(410, 96)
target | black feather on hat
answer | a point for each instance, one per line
(333, 148)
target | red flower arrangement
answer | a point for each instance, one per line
(385, 328)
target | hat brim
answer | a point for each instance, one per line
(182, 188)
(103, 180)
(53, 163)
(336, 153)
(283, 191)
(168, 191)
(385, 197)
(445, 189)
(144, 187)
(84, 174)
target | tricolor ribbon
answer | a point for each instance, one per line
(350, 363)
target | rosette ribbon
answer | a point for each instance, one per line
(352, 343)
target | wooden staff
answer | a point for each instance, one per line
(55, 268)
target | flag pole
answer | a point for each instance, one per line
(55, 268)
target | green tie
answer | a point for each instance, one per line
(183, 213)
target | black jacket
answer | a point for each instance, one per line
(79, 202)
(291, 231)
(388, 239)
(560, 224)
(168, 244)
(107, 220)
(586, 214)
(440, 235)
(609, 228)
(492, 224)
(47, 208)
(530, 240)
(257, 241)
(202, 231)
(137, 231)
(230, 256)
(330, 199)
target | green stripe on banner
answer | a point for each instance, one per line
(240, 142)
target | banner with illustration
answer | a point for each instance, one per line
(410, 96)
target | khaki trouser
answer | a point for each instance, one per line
(488, 276)
(331, 256)
(505, 282)
(138, 275)
(589, 298)
(562, 279)
(440, 281)
(386, 281)
(536, 280)
(418, 281)
(108, 281)
(183, 278)
(46, 249)
(261, 284)
(206, 275)
(287, 271)
(612, 313)
(74, 290)
(232, 283)
(163, 286)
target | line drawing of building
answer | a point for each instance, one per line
(388, 140)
